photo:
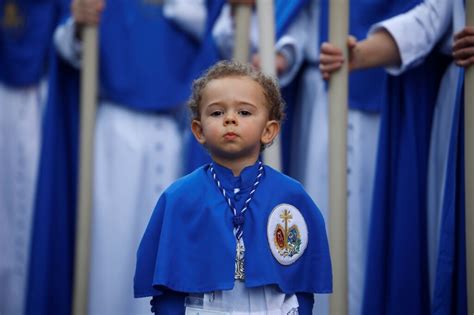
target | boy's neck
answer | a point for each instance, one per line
(236, 165)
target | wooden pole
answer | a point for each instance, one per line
(242, 32)
(86, 142)
(338, 104)
(469, 166)
(266, 29)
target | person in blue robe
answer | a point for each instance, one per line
(26, 32)
(149, 52)
(309, 126)
(235, 235)
(417, 153)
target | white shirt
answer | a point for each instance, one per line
(417, 31)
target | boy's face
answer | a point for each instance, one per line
(234, 119)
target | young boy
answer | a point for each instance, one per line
(234, 236)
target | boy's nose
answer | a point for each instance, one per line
(230, 119)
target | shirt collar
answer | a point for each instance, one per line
(245, 180)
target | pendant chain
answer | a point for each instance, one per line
(238, 219)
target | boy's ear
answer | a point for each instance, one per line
(270, 132)
(196, 128)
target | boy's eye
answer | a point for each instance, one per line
(245, 113)
(216, 113)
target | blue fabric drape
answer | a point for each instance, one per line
(52, 247)
(397, 270)
(450, 295)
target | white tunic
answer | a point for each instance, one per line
(20, 133)
(266, 300)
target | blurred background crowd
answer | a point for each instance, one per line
(405, 140)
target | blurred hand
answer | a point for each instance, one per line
(87, 12)
(331, 59)
(463, 47)
(281, 63)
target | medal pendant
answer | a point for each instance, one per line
(239, 261)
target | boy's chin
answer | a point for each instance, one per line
(234, 155)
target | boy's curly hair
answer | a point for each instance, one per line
(233, 68)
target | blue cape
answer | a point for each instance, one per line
(25, 40)
(189, 245)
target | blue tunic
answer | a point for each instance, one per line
(189, 245)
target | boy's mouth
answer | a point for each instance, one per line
(230, 136)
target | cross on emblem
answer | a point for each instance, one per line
(286, 216)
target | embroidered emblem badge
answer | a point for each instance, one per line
(287, 233)
(12, 18)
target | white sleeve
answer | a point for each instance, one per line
(68, 47)
(292, 46)
(223, 33)
(417, 31)
(189, 15)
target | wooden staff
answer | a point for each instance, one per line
(242, 16)
(266, 28)
(469, 166)
(85, 189)
(338, 104)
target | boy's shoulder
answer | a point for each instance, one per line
(192, 182)
(278, 179)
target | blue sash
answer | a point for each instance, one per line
(450, 293)
(49, 287)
